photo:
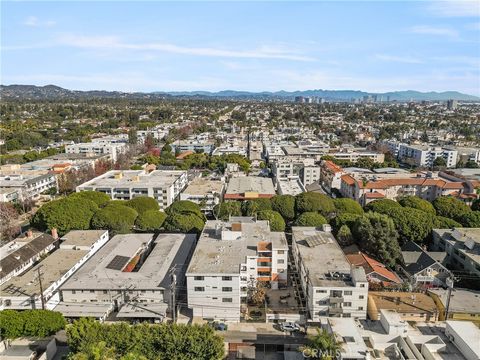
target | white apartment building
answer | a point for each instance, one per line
(204, 192)
(27, 187)
(310, 175)
(163, 185)
(465, 335)
(330, 176)
(158, 133)
(23, 291)
(354, 155)
(290, 187)
(332, 287)
(132, 274)
(204, 146)
(98, 148)
(230, 258)
(422, 155)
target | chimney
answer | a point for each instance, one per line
(54, 233)
(29, 234)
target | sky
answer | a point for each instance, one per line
(372, 46)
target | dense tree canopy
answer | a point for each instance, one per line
(150, 220)
(471, 219)
(450, 207)
(252, 207)
(115, 217)
(381, 206)
(142, 204)
(34, 323)
(442, 222)
(347, 219)
(310, 219)
(226, 209)
(285, 205)
(345, 205)
(71, 213)
(189, 223)
(313, 202)
(97, 197)
(376, 235)
(476, 205)
(144, 341)
(417, 203)
(411, 224)
(275, 219)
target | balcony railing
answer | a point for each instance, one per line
(336, 299)
(335, 310)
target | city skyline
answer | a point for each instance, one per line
(254, 46)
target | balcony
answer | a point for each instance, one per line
(335, 299)
(335, 310)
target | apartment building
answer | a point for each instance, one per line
(205, 192)
(204, 146)
(462, 248)
(330, 176)
(428, 186)
(20, 254)
(230, 257)
(24, 292)
(157, 133)
(310, 175)
(422, 155)
(332, 286)
(163, 185)
(112, 149)
(290, 187)
(27, 187)
(353, 155)
(132, 274)
(249, 187)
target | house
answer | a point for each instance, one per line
(332, 286)
(375, 271)
(424, 268)
(231, 257)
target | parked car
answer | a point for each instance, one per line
(289, 326)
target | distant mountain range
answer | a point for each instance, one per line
(52, 92)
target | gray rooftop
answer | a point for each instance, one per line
(204, 186)
(216, 256)
(321, 255)
(82, 237)
(243, 184)
(460, 238)
(461, 300)
(98, 272)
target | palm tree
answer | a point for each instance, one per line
(323, 345)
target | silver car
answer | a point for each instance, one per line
(289, 326)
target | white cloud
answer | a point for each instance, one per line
(33, 21)
(115, 43)
(455, 8)
(400, 59)
(434, 30)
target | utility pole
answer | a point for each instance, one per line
(173, 289)
(450, 281)
(42, 299)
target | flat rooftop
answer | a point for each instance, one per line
(461, 300)
(245, 184)
(82, 237)
(103, 271)
(321, 255)
(403, 302)
(204, 186)
(53, 267)
(460, 238)
(291, 187)
(216, 256)
(134, 178)
(469, 333)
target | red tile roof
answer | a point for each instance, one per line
(372, 266)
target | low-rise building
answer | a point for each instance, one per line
(290, 187)
(466, 337)
(27, 187)
(464, 304)
(164, 186)
(461, 246)
(205, 192)
(113, 150)
(310, 175)
(25, 291)
(205, 146)
(230, 258)
(133, 273)
(375, 271)
(249, 187)
(330, 176)
(332, 286)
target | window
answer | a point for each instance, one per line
(227, 289)
(227, 278)
(281, 261)
(105, 291)
(281, 252)
(92, 291)
(360, 308)
(214, 298)
(321, 291)
(361, 297)
(362, 285)
(227, 300)
(347, 304)
(199, 288)
(198, 278)
(347, 293)
(74, 292)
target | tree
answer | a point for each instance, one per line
(274, 218)
(347, 219)
(439, 162)
(115, 217)
(471, 219)
(143, 203)
(322, 345)
(184, 207)
(442, 222)
(470, 164)
(476, 205)
(417, 203)
(381, 206)
(8, 214)
(226, 209)
(312, 202)
(34, 323)
(450, 207)
(376, 235)
(189, 223)
(344, 236)
(257, 291)
(285, 205)
(97, 197)
(310, 219)
(411, 224)
(252, 207)
(150, 220)
(346, 205)
(65, 215)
